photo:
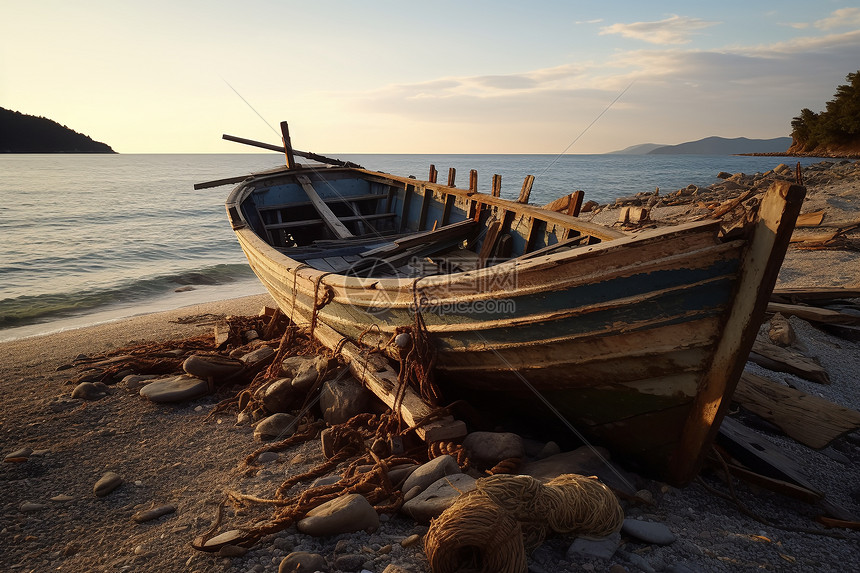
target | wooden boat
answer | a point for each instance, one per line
(638, 340)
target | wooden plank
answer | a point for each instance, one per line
(329, 218)
(455, 230)
(526, 189)
(813, 295)
(812, 421)
(321, 264)
(759, 269)
(382, 380)
(407, 199)
(813, 314)
(575, 203)
(425, 206)
(311, 222)
(814, 237)
(548, 250)
(288, 146)
(781, 359)
(489, 243)
(810, 219)
(305, 154)
(497, 186)
(450, 198)
(760, 455)
(328, 201)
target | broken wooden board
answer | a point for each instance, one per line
(382, 380)
(812, 421)
(761, 456)
(810, 219)
(780, 359)
(821, 237)
(812, 295)
(813, 314)
(329, 218)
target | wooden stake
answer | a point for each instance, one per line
(497, 185)
(473, 181)
(433, 174)
(527, 189)
(288, 146)
(452, 174)
(575, 203)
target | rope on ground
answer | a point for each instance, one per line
(491, 528)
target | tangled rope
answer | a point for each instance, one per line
(491, 528)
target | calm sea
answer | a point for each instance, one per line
(92, 238)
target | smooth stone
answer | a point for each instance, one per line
(107, 483)
(302, 562)
(349, 562)
(175, 389)
(62, 498)
(648, 531)
(217, 367)
(134, 382)
(231, 551)
(154, 513)
(267, 457)
(430, 472)
(326, 480)
(279, 395)
(411, 540)
(88, 391)
(294, 365)
(19, 455)
(29, 507)
(438, 497)
(344, 514)
(226, 538)
(594, 548)
(398, 474)
(262, 353)
(277, 426)
(342, 399)
(489, 448)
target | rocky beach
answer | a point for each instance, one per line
(102, 473)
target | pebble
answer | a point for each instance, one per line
(277, 426)
(438, 497)
(302, 562)
(411, 540)
(175, 389)
(20, 455)
(107, 483)
(345, 514)
(154, 513)
(648, 531)
(62, 498)
(430, 472)
(88, 391)
(594, 548)
(29, 507)
(223, 539)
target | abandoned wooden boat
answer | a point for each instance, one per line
(638, 340)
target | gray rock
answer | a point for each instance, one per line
(293, 365)
(279, 395)
(88, 391)
(217, 367)
(302, 562)
(648, 531)
(344, 514)
(342, 399)
(134, 382)
(489, 448)
(107, 483)
(267, 457)
(262, 353)
(351, 562)
(594, 548)
(154, 513)
(226, 538)
(438, 497)
(231, 551)
(277, 426)
(175, 389)
(30, 507)
(398, 474)
(18, 455)
(430, 472)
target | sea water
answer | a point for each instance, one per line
(90, 238)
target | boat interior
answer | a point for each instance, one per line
(363, 223)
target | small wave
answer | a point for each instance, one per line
(25, 310)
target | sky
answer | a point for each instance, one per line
(399, 76)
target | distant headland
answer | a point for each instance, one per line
(21, 133)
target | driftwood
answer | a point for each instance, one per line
(780, 359)
(812, 421)
(813, 314)
(813, 295)
(809, 219)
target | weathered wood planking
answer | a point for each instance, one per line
(780, 359)
(810, 420)
(330, 219)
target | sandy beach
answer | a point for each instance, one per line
(179, 455)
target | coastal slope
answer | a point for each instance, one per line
(22, 133)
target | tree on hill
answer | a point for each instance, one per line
(21, 133)
(836, 128)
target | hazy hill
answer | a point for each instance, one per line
(724, 146)
(21, 133)
(640, 149)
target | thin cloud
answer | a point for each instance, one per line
(673, 30)
(595, 21)
(842, 18)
